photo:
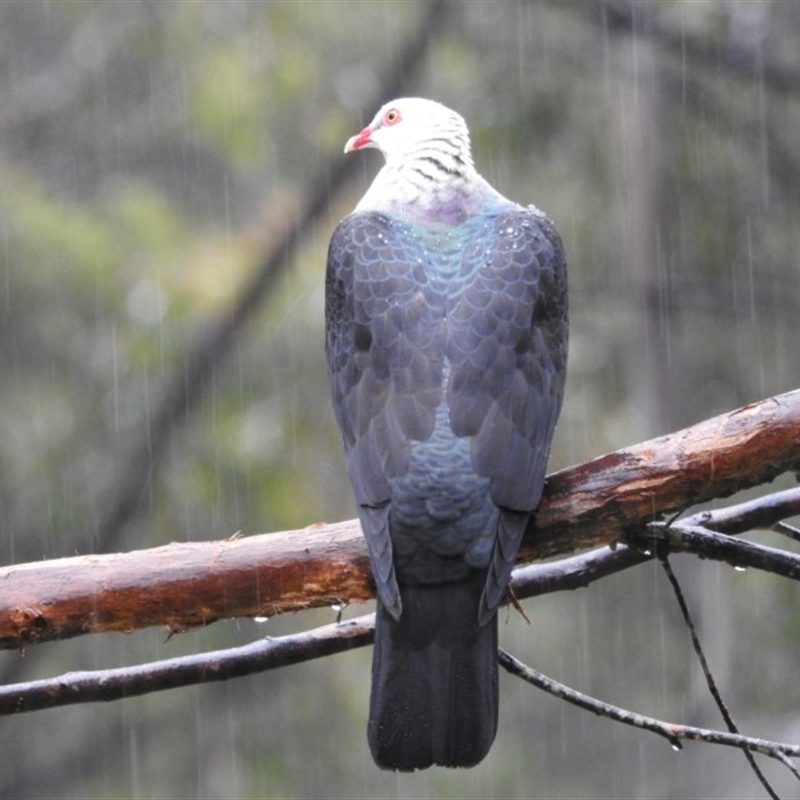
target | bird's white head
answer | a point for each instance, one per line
(410, 126)
(429, 175)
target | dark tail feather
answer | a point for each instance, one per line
(434, 679)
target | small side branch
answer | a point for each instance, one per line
(575, 572)
(763, 512)
(710, 682)
(220, 665)
(680, 537)
(674, 733)
(269, 653)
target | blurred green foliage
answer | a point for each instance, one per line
(150, 153)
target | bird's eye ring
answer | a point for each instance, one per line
(391, 117)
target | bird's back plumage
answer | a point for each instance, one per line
(446, 346)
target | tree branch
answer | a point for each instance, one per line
(710, 680)
(265, 654)
(602, 502)
(671, 731)
(763, 512)
(679, 537)
(220, 665)
(269, 653)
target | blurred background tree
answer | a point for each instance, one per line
(154, 155)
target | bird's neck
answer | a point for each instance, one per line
(426, 191)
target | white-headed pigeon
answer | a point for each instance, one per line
(446, 342)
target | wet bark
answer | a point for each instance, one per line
(600, 502)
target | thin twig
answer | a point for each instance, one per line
(716, 546)
(787, 530)
(269, 653)
(573, 572)
(762, 512)
(712, 684)
(220, 665)
(671, 731)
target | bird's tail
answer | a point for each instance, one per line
(434, 679)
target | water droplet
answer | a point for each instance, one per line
(261, 620)
(740, 569)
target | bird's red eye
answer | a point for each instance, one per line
(391, 117)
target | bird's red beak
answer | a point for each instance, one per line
(359, 140)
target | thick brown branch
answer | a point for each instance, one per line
(594, 504)
(106, 685)
(602, 500)
(183, 584)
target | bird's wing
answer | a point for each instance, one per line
(384, 352)
(507, 346)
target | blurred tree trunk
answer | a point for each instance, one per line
(644, 226)
(647, 224)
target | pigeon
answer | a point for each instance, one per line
(446, 346)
